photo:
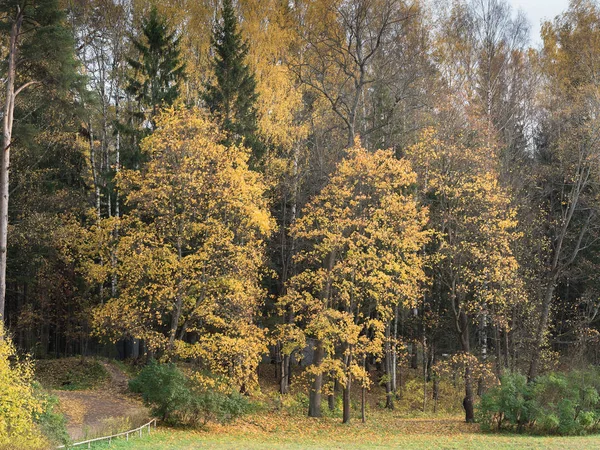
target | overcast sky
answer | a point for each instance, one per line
(539, 10)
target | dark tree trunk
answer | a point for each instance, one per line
(346, 400)
(284, 381)
(466, 346)
(331, 396)
(363, 415)
(389, 394)
(363, 399)
(498, 348)
(468, 400)
(314, 399)
(541, 330)
(506, 350)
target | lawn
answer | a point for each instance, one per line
(383, 430)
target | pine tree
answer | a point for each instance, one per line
(39, 56)
(231, 97)
(155, 81)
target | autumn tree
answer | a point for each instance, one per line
(360, 241)
(481, 53)
(340, 42)
(191, 250)
(567, 158)
(101, 29)
(475, 229)
(19, 404)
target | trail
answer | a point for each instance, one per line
(102, 411)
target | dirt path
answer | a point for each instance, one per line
(118, 380)
(102, 411)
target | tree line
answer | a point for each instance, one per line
(381, 182)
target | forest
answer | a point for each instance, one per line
(337, 201)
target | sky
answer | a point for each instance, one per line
(537, 11)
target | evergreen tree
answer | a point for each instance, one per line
(37, 52)
(155, 82)
(231, 96)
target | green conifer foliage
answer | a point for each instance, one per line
(155, 80)
(231, 96)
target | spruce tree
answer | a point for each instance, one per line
(155, 80)
(231, 96)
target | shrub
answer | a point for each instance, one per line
(507, 406)
(164, 387)
(178, 400)
(218, 407)
(19, 406)
(566, 404)
(51, 422)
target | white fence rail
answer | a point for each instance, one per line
(136, 431)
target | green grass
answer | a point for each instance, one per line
(383, 430)
(70, 374)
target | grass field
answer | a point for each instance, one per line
(279, 431)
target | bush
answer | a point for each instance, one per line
(507, 406)
(566, 404)
(164, 387)
(52, 423)
(177, 400)
(19, 405)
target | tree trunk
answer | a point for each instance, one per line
(436, 388)
(468, 400)
(314, 399)
(395, 353)
(484, 345)
(7, 125)
(284, 381)
(498, 348)
(331, 396)
(541, 330)
(346, 399)
(363, 399)
(506, 349)
(414, 358)
(466, 346)
(425, 369)
(388, 360)
(114, 261)
(178, 303)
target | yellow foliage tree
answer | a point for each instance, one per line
(264, 24)
(360, 257)
(18, 404)
(475, 229)
(190, 250)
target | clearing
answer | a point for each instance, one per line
(104, 407)
(282, 431)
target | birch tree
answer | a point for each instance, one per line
(568, 154)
